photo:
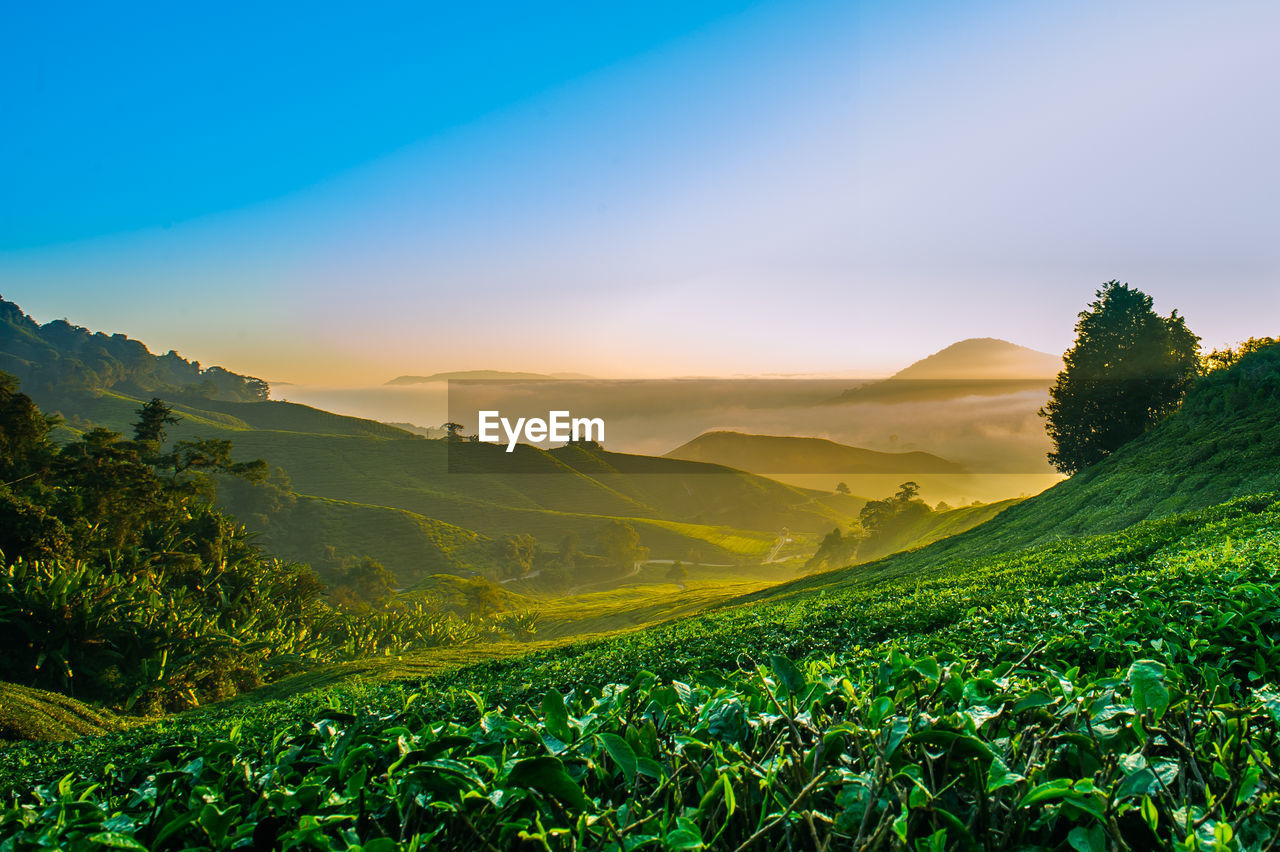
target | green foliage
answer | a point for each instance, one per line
(1108, 693)
(125, 585)
(619, 543)
(1128, 369)
(836, 550)
(363, 584)
(516, 554)
(1225, 359)
(58, 357)
(1219, 444)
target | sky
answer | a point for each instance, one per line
(332, 195)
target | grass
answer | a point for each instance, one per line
(37, 715)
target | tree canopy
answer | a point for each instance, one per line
(1129, 368)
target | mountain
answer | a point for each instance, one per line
(57, 358)
(346, 487)
(784, 454)
(984, 358)
(484, 375)
(979, 366)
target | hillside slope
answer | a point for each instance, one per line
(58, 357)
(1223, 442)
(786, 454)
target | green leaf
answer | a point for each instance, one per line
(1089, 839)
(622, 754)
(1058, 788)
(116, 840)
(556, 715)
(649, 766)
(1270, 700)
(787, 672)
(547, 774)
(928, 668)
(1149, 691)
(1000, 776)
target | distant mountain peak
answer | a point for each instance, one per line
(983, 358)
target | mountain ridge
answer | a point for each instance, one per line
(799, 454)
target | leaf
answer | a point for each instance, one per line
(1143, 778)
(728, 721)
(547, 774)
(622, 754)
(1270, 700)
(556, 715)
(116, 840)
(649, 766)
(999, 776)
(788, 674)
(1089, 839)
(981, 715)
(1058, 788)
(928, 668)
(1149, 691)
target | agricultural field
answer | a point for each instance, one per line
(1120, 689)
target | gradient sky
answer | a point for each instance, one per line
(328, 194)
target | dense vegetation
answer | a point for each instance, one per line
(1081, 694)
(122, 583)
(1220, 443)
(1127, 371)
(58, 359)
(1014, 687)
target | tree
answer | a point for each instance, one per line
(152, 418)
(907, 492)
(620, 544)
(678, 573)
(453, 431)
(1222, 359)
(517, 554)
(1128, 369)
(843, 488)
(835, 551)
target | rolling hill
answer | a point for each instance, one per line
(767, 454)
(1222, 443)
(350, 487)
(1035, 679)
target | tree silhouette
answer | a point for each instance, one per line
(1129, 368)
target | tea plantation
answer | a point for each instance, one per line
(1121, 691)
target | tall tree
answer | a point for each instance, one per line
(152, 420)
(1128, 369)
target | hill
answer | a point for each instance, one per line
(1085, 691)
(58, 358)
(982, 366)
(965, 688)
(1220, 444)
(784, 454)
(346, 488)
(982, 358)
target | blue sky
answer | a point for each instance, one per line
(326, 193)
